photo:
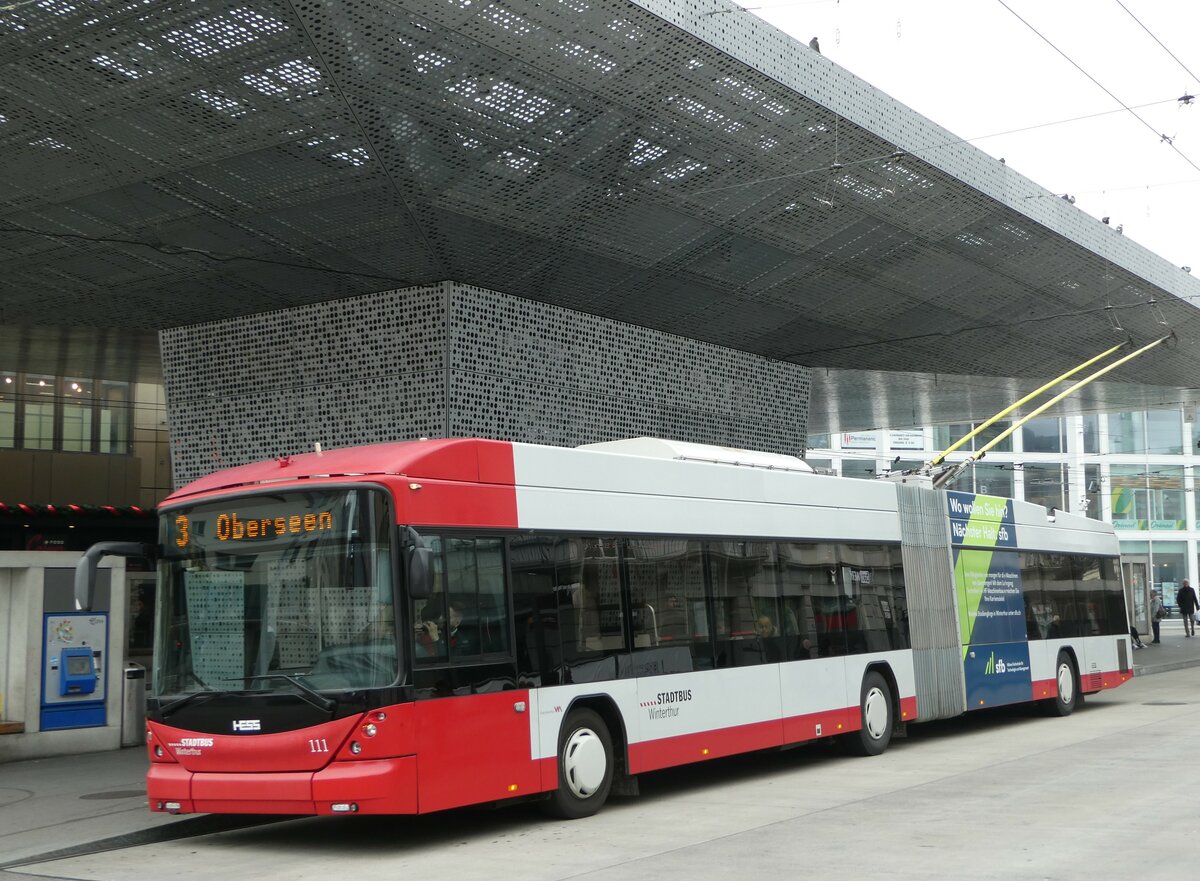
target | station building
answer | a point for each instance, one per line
(230, 231)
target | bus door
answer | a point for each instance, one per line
(475, 728)
(476, 748)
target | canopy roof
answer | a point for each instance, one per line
(657, 163)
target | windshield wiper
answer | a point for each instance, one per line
(307, 692)
(194, 697)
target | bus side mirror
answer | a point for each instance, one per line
(85, 569)
(418, 565)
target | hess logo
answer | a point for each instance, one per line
(247, 725)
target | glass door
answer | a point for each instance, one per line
(1136, 570)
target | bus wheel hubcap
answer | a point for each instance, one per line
(584, 762)
(875, 713)
(1066, 684)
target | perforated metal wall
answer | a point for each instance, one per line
(348, 372)
(457, 361)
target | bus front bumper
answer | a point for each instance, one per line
(381, 786)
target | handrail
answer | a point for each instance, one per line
(85, 569)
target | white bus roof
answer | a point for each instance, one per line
(659, 448)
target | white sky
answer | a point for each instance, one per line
(974, 68)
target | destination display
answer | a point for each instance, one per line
(254, 520)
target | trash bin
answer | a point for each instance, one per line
(133, 706)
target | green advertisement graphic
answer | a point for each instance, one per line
(971, 570)
(986, 523)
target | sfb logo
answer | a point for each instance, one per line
(247, 725)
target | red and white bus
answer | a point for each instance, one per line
(408, 627)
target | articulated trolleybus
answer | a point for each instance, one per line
(408, 627)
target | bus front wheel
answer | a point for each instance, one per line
(585, 766)
(875, 715)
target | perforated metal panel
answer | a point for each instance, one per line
(459, 361)
(691, 172)
(349, 372)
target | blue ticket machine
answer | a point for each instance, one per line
(74, 650)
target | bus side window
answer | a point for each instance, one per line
(475, 587)
(1058, 586)
(1037, 610)
(867, 574)
(585, 609)
(492, 604)
(590, 610)
(746, 603)
(433, 610)
(803, 572)
(534, 562)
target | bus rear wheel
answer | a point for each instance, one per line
(875, 716)
(585, 766)
(1066, 696)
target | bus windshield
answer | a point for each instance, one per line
(287, 592)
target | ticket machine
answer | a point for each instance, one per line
(74, 654)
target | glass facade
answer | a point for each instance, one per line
(113, 413)
(72, 414)
(1156, 432)
(1092, 492)
(1043, 436)
(77, 416)
(1147, 498)
(8, 411)
(1046, 485)
(945, 435)
(37, 414)
(1167, 559)
(986, 478)
(1091, 433)
(994, 480)
(864, 468)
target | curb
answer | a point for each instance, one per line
(1165, 666)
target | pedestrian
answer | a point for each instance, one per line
(1157, 612)
(1136, 638)
(1187, 601)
